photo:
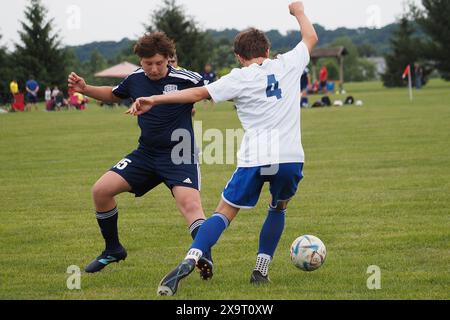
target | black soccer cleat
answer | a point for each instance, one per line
(205, 266)
(169, 284)
(106, 258)
(258, 279)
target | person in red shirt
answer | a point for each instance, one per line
(323, 79)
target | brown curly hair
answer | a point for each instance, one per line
(251, 43)
(154, 43)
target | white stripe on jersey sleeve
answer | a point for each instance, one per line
(187, 73)
(140, 70)
(185, 77)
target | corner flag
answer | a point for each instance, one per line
(407, 73)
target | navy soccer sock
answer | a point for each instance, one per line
(108, 226)
(195, 226)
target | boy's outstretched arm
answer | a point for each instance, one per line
(143, 105)
(307, 30)
(78, 84)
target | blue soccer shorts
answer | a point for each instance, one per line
(144, 172)
(244, 188)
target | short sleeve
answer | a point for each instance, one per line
(122, 90)
(299, 56)
(226, 88)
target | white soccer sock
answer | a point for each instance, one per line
(194, 254)
(262, 264)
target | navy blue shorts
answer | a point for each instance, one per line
(244, 188)
(31, 98)
(144, 172)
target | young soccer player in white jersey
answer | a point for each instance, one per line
(265, 93)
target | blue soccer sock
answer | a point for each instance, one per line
(208, 235)
(194, 228)
(271, 232)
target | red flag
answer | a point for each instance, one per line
(407, 71)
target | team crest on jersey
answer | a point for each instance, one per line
(170, 88)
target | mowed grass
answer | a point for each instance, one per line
(376, 191)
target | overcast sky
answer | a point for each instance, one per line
(84, 21)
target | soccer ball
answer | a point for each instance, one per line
(308, 253)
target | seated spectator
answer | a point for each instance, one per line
(78, 101)
(55, 92)
(60, 102)
(313, 88)
(14, 88)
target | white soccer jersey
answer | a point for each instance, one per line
(267, 98)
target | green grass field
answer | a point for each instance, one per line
(376, 191)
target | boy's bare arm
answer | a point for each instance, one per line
(104, 94)
(307, 30)
(143, 105)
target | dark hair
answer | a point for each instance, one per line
(154, 43)
(251, 44)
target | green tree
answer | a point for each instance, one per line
(367, 50)
(40, 54)
(435, 22)
(222, 57)
(193, 45)
(405, 50)
(127, 54)
(6, 74)
(97, 63)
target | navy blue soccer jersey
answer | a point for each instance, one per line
(161, 121)
(209, 77)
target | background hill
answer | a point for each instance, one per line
(372, 42)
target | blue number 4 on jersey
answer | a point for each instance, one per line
(273, 89)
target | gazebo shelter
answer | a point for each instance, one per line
(121, 71)
(339, 53)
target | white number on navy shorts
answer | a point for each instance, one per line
(122, 164)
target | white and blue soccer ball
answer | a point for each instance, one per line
(308, 253)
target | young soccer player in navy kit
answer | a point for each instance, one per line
(152, 163)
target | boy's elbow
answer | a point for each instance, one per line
(314, 40)
(202, 94)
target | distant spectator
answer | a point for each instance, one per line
(313, 87)
(305, 80)
(323, 79)
(304, 83)
(55, 92)
(209, 76)
(49, 102)
(418, 73)
(173, 62)
(78, 101)
(59, 101)
(14, 89)
(32, 87)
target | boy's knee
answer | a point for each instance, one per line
(99, 191)
(191, 206)
(281, 206)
